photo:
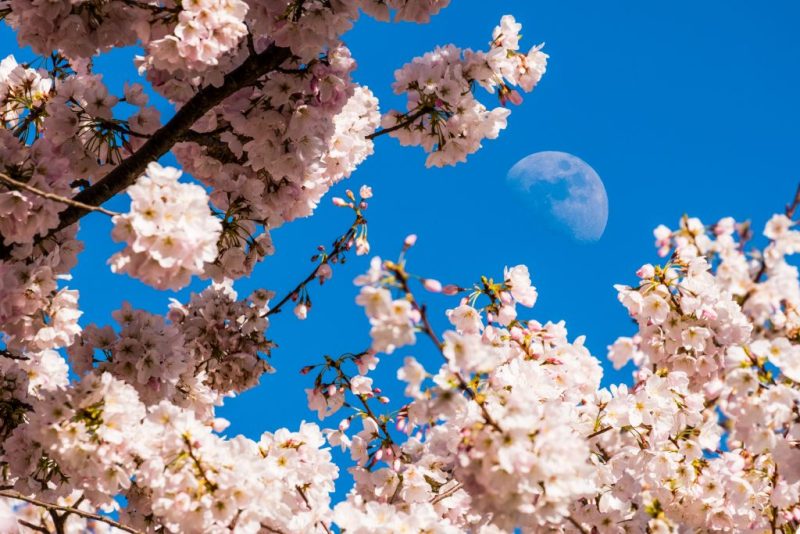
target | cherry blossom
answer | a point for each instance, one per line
(501, 421)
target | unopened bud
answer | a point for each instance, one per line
(451, 289)
(434, 286)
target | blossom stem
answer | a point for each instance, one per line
(445, 494)
(305, 500)
(409, 119)
(599, 432)
(576, 525)
(339, 246)
(68, 510)
(52, 196)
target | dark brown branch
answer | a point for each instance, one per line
(33, 527)
(791, 208)
(124, 174)
(68, 510)
(10, 355)
(407, 121)
(215, 147)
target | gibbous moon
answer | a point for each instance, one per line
(564, 191)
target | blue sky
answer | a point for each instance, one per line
(685, 107)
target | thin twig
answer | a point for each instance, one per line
(52, 196)
(340, 246)
(11, 356)
(308, 504)
(69, 510)
(406, 122)
(791, 208)
(445, 494)
(31, 526)
(599, 432)
(576, 525)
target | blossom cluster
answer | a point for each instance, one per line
(505, 425)
(514, 431)
(442, 113)
(170, 232)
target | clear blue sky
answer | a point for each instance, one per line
(681, 107)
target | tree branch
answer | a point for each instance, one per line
(447, 493)
(339, 247)
(791, 208)
(409, 119)
(69, 510)
(51, 196)
(124, 174)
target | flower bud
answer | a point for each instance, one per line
(450, 289)
(646, 271)
(434, 286)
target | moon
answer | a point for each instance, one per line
(564, 191)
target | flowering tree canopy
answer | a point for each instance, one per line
(112, 428)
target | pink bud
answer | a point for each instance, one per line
(434, 286)
(344, 425)
(331, 390)
(383, 400)
(515, 97)
(339, 201)
(410, 240)
(450, 289)
(307, 369)
(646, 271)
